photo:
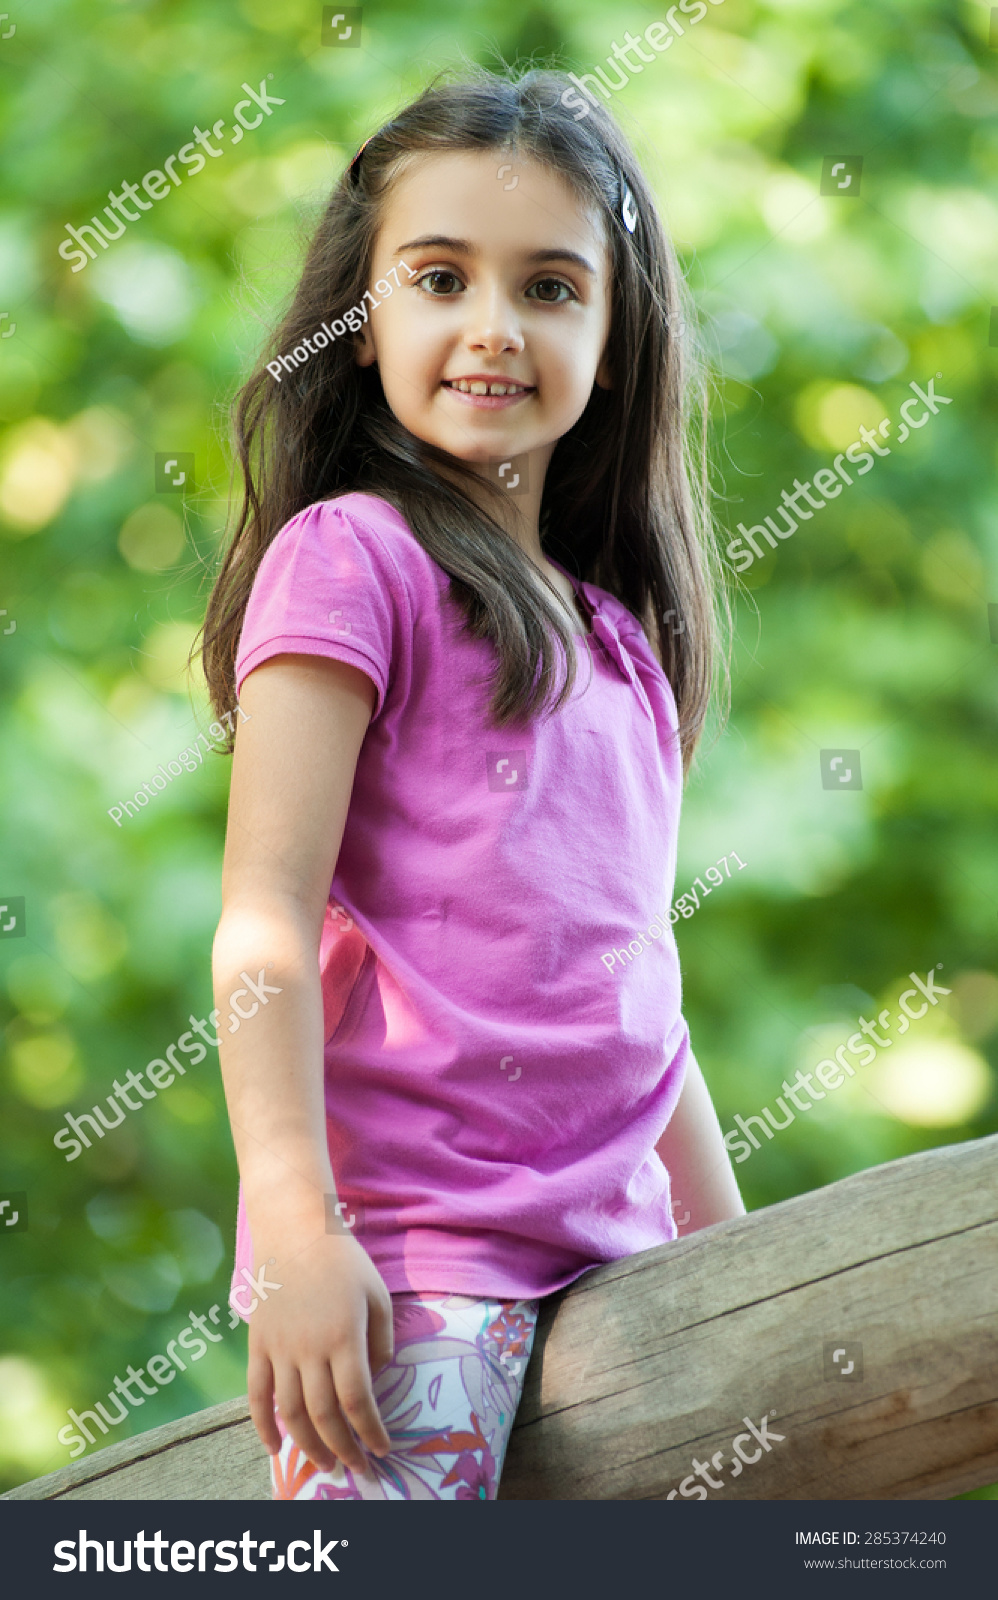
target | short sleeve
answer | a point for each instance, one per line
(638, 646)
(327, 586)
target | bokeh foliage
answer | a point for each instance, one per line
(867, 630)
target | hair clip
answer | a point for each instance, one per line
(354, 168)
(629, 211)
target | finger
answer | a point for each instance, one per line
(356, 1398)
(380, 1335)
(326, 1419)
(295, 1413)
(260, 1391)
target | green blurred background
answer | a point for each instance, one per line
(868, 630)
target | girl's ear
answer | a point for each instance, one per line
(364, 351)
(603, 378)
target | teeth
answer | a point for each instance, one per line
(479, 386)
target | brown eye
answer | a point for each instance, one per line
(437, 274)
(544, 286)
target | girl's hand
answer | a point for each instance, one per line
(313, 1348)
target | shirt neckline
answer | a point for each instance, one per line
(582, 592)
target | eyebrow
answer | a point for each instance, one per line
(441, 241)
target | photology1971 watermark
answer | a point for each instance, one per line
(181, 762)
(685, 906)
(326, 335)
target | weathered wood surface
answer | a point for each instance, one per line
(648, 1364)
(654, 1360)
(212, 1455)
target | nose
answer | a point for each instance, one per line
(492, 325)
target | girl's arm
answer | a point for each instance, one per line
(693, 1150)
(692, 1147)
(313, 1342)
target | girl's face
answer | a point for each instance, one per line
(511, 283)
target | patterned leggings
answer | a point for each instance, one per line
(447, 1399)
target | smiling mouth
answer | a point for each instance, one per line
(479, 386)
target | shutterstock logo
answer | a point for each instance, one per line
(181, 1554)
(174, 472)
(841, 175)
(507, 769)
(840, 769)
(843, 1360)
(741, 1458)
(510, 473)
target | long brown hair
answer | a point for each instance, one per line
(625, 502)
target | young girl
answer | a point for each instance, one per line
(468, 612)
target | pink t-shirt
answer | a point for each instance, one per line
(494, 1089)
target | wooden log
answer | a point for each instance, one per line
(651, 1363)
(211, 1455)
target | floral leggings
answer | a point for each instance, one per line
(447, 1399)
